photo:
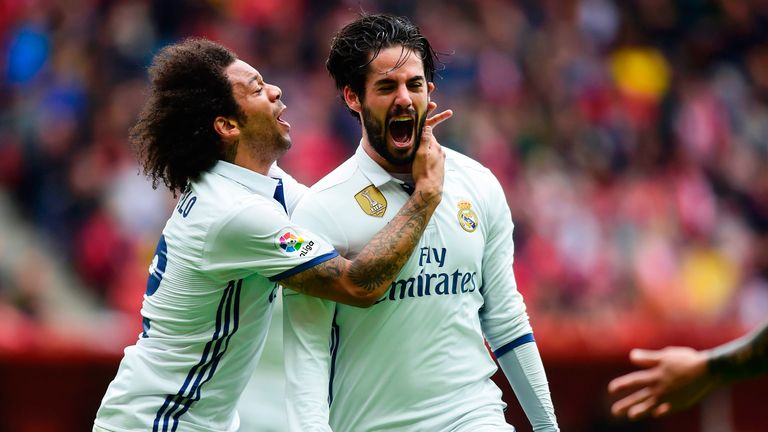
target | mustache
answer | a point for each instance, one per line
(402, 111)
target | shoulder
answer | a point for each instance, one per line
(467, 167)
(343, 174)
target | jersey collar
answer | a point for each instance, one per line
(252, 180)
(373, 171)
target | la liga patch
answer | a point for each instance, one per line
(290, 241)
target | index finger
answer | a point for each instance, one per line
(632, 381)
(438, 118)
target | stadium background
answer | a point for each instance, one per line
(631, 138)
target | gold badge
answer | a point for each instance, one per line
(372, 201)
(467, 217)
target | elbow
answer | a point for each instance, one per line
(364, 299)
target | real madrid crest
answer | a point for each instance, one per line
(372, 201)
(467, 217)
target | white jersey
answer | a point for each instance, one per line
(209, 301)
(416, 360)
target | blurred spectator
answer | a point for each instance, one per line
(631, 138)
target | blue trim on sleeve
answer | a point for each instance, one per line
(335, 330)
(524, 339)
(301, 267)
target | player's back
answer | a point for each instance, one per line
(205, 317)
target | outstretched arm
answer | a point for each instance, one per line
(678, 377)
(362, 281)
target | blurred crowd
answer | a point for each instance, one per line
(631, 138)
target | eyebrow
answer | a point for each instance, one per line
(256, 77)
(385, 81)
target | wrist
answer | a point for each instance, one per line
(426, 201)
(719, 365)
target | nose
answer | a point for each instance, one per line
(275, 92)
(403, 97)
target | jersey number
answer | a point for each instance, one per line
(157, 268)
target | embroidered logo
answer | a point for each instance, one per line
(290, 242)
(467, 217)
(372, 201)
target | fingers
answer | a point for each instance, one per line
(641, 409)
(438, 118)
(632, 381)
(662, 409)
(623, 406)
(645, 358)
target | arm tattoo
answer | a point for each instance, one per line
(379, 261)
(743, 358)
(383, 257)
(313, 280)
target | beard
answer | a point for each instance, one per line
(378, 132)
(263, 139)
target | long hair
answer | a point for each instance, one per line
(174, 137)
(358, 43)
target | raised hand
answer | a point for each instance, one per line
(674, 378)
(429, 164)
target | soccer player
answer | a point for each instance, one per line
(675, 378)
(415, 361)
(212, 130)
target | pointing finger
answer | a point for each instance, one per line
(438, 118)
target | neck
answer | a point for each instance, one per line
(242, 155)
(388, 166)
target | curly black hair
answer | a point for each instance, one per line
(358, 43)
(174, 137)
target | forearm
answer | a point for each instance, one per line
(525, 372)
(381, 259)
(362, 281)
(741, 359)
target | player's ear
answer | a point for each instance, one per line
(430, 87)
(352, 100)
(227, 128)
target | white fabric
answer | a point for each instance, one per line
(415, 361)
(208, 303)
(525, 372)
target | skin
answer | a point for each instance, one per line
(392, 93)
(675, 378)
(261, 137)
(257, 139)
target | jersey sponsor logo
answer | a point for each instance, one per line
(467, 217)
(434, 283)
(372, 201)
(426, 284)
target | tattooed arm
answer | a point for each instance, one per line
(361, 282)
(678, 377)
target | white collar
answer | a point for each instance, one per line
(260, 184)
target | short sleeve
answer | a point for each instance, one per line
(258, 237)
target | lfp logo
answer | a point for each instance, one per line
(290, 242)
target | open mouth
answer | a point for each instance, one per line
(281, 121)
(401, 131)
